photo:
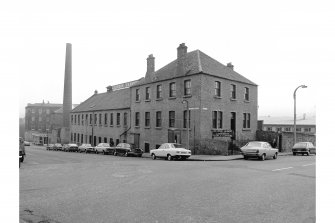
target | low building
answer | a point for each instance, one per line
(304, 124)
(103, 117)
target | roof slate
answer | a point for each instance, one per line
(119, 99)
(197, 62)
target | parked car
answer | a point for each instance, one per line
(103, 148)
(126, 149)
(58, 147)
(26, 143)
(50, 146)
(71, 147)
(260, 150)
(171, 151)
(303, 148)
(22, 150)
(87, 148)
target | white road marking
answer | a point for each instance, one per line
(309, 164)
(282, 169)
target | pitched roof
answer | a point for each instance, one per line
(105, 101)
(287, 120)
(197, 62)
(59, 111)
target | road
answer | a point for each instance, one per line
(64, 187)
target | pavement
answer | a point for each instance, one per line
(216, 157)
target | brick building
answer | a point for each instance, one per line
(103, 117)
(38, 121)
(219, 99)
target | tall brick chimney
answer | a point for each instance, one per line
(181, 59)
(150, 66)
(67, 96)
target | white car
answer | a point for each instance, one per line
(260, 150)
(102, 148)
(170, 151)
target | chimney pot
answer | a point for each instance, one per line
(95, 92)
(230, 65)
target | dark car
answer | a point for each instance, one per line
(303, 148)
(58, 147)
(50, 146)
(126, 149)
(71, 148)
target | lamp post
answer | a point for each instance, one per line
(294, 97)
(93, 123)
(187, 123)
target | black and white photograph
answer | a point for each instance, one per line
(167, 111)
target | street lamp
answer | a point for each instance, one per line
(187, 123)
(294, 97)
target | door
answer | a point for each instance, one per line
(146, 147)
(233, 124)
(174, 136)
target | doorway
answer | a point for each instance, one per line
(233, 124)
(174, 136)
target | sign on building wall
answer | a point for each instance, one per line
(222, 133)
(123, 85)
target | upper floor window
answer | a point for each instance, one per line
(90, 119)
(72, 119)
(246, 120)
(147, 93)
(111, 121)
(137, 94)
(159, 91)
(233, 91)
(269, 128)
(75, 119)
(33, 111)
(172, 119)
(217, 88)
(287, 129)
(118, 117)
(95, 119)
(86, 119)
(147, 119)
(40, 111)
(187, 87)
(100, 119)
(125, 117)
(307, 129)
(246, 94)
(33, 119)
(172, 92)
(298, 129)
(159, 119)
(106, 119)
(137, 119)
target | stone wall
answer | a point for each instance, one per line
(288, 140)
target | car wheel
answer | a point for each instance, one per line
(140, 155)
(115, 153)
(153, 156)
(169, 157)
(307, 153)
(262, 157)
(275, 156)
(126, 154)
(294, 154)
(245, 157)
(96, 151)
(103, 152)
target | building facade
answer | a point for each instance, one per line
(102, 118)
(38, 121)
(194, 100)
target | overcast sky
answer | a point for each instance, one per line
(279, 46)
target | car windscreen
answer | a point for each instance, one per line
(300, 145)
(177, 145)
(256, 144)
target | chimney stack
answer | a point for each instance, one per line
(150, 66)
(67, 96)
(230, 65)
(96, 92)
(181, 59)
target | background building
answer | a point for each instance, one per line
(38, 121)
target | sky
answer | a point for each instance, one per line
(279, 45)
(276, 45)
